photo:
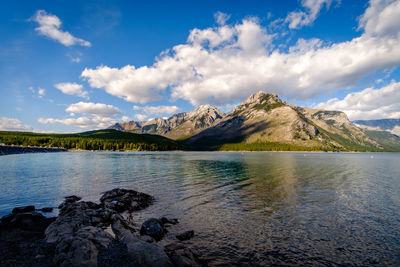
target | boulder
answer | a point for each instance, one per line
(82, 247)
(72, 217)
(121, 200)
(144, 254)
(69, 200)
(23, 209)
(29, 221)
(76, 236)
(153, 227)
(185, 235)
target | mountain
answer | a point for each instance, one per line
(178, 126)
(265, 122)
(391, 125)
(390, 142)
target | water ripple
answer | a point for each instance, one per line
(322, 209)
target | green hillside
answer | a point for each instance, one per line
(108, 139)
(389, 141)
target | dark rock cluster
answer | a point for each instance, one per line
(91, 234)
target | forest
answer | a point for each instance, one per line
(108, 139)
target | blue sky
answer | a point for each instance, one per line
(68, 66)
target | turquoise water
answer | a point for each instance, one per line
(321, 209)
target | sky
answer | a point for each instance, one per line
(70, 66)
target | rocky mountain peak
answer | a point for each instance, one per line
(259, 101)
(260, 97)
(205, 110)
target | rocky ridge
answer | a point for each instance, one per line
(177, 126)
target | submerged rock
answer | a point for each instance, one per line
(182, 256)
(125, 200)
(166, 220)
(23, 209)
(46, 209)
(185, 235)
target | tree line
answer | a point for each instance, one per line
(86, 143)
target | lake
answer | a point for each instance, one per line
(246, 208)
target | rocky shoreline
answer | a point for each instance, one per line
(94, 234)
(7, 150)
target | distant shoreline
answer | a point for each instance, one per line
(14, 149)
(8, 150)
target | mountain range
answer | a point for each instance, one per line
(391, 125)
(265, 122)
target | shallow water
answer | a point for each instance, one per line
(251, 208)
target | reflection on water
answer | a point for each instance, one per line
(246, 208)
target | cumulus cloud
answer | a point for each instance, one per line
(125, 118)
(96, 109)
(98, 116)
(72, 89)
(133, 85)
(156, 110)
(368, 104)
(82, 122)
(12, 124)
(225, 64)
(140, 117)
(381, 18)
(298, 19)
(49, 26)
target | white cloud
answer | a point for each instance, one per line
(221, 18)
(72, 89)
(125, 119)
(11, 124)
(155, 110)
(96, 109)
(225, 64)
(368, 104)
(41, 92)
(381, 18)
(133, 85)
(140, 117)
(81, 122)
(49, 26)
(98, 116)
(76, 59)
(92, 122)
(298, 19)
